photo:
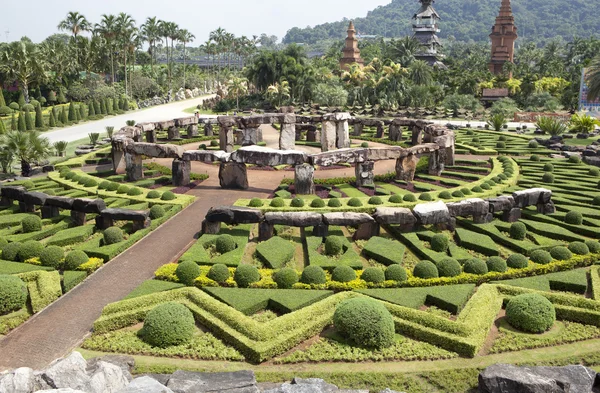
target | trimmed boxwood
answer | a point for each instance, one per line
(425, 197)
(518, 231)
(548, 178)
(30, 249)
(157, 211)
(187, 272)
(277, 202)
(285, 278)
(396, 273)
(218, 273)
(531, 313)
(475, 266)
(317, 203)
(255, 202)
(13, 294)
(334, 202)
(343, 274)
(333, 246)
(542, 257)
(397, 198)
(594, 172)
(548, 167)
(440, 243)
(458, 194)
(477, 189)
(297, 202)
(596, 201)
(354, 202)
(153, 194)
(593, 246)
(448, 267)
(365, 322)
(409, 198)
(52, 256)
(313, 275)
(113, 186)
(112, 235)
(534, 158)
(89, 182)
(225, 243)
(574, 218)
(103, 185)
(168, 196)
(134, 191)
(575, 159)
(425, 269)
(167, 325)
(579, 248)
(31, 223)
(561, 253)
(245, 275)
(10, 251)
(375, 200)
(74, 259)
(533, 144)
(517, 261)
(123, 189)
(373, 274)
(445, 195)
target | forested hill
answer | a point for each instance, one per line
(537, 20)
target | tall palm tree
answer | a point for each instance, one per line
(185, 37)
(21, 61)
(75, 23)
(126, 33)
(151, 30)
(108, 29)
(420, 73)
(28, 147)
(593, 79)
(237, 87)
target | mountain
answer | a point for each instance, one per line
(465, 20)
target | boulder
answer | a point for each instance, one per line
(21, 380)
(107, 378)
(164, 125)
(116, 214)
(264, 156)
(15, 193)
(394, 216)
(469, 207)
(432, 213)
(193, 382)
(145, 385)
(125, 362)
(349, 156)
(347, 219)
(84, 205)
(65, 390)
(384, 153)
(234, 215)
(60, 201)
(207, 156)
(155, 150)
(505, 378)
(294, 219)
(365, 177)
(34, 198)
(146, 126)
(233, 175)
(186, 121)
(69, 372)
(304, 179)
(532, 196)
(500, 204)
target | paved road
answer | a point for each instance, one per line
(157, 113)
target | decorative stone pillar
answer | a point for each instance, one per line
(366, 231)
(192, 130)
(358, 129)
(239, 137)
(335, 132)
(311, 135)
(134, 167)
(321, 230)
(151, 136)
(417, 136)
(173, 133)
(26, 207)
(50, 211)
(328, 136)
(287, 136)
(138, 225)
(395, 132)
(546, 208)
(406, 167)
(364, 174)
(118, 160)
(233, 175)
(181, 172)
(211, 228)
(437, 161)
(226, 124)
(78, 218)
(265, 231)
(208, 129)
(250, 137)
(343, 135)
(512, 215)
(380, 130)
(304, 181)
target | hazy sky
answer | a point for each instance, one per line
(38, 18)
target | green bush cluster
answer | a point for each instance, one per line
(187, 272)
(365, 322)
(561, 253)
(13, 294)
(31, 223)
(531, 313)
(375, 200)
(112, 235)
(548, 167)
(409, 198)
(334, 202)
(218, 273)
(277, 202)
(425, 197)
(343, 274)
(245, 275)
(225, 243)
(285, 278)
(10, 251)
(317, 203)
(579, 248)
(593, 246)
(168, 196)
(518, 231)
(153, 194)
(134, 191)
(167, 325)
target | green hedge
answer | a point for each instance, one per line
(70, 236)
(71, 279)
(275, 252)
(385, 251)
(200, 254)
(44, 288)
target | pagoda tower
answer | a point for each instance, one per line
(504, 35)
(351, 51)
(425, 28)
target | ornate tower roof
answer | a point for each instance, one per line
(351, 51)
(425, 28)
(504, 35)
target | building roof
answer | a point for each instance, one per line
(494, 93)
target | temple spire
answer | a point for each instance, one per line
(351, 51)
(425, 28)
(504, 35)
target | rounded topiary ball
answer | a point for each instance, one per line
(477, 189)
(548, 178)
(561, 253)
(10, 252)
(333, 246)
(533, 144)
(375, 201)
(187, 272)
(74, 259)
(373, 274)
(425, 197)
(31, 224)
(579, 248)
(255, 202)
(297, 202)
(277, 202)
(448, 267)
(52, 256)
(157, 211)
(168, 196)
(518, 231)
(364, 145)
(123, 189)
(574, 218)
(440, 243)
(575, 159)
(596, 201)
(313, 275)
(409, 198)
(395, 273)
(475, 266)
(285, 278)
(517, 261)
(501, 145)
(218, 273)
(534, 158)
(343, 274)
(445, 195)
(531, 313)
(113, 186)
(13, 294)
(542, 257)
(113, 235)
(103, 185)
(354, 202)
(396, 198)
(153, 194)
(225, 243)
(548, 167)
(425, 269)
(593, 246)
(245, 275)
(30, 249)
(334, 202)
(594, 172)
(365, 322)
(317, 203)
(496, 264)
(167, 325)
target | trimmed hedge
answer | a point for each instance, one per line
(30, 249)
(275, 252)
(13, 294)
(385, 251)
(561, 253)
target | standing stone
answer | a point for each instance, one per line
(395, 132)
(364, 174)
(380, 130)
(78, 218)
(226, 139)
(417, 136)
(512, 215)
(208, 129)
(211, 228)
(287, 137)
(50, 211)
(233, 175)
(192, 130)
(239, 137)
(437, 161)
(118, 160)
(546, 208)
(304, 181)
(151, 136)
(134, 167)
(321, 230)
(265, 231)
(311, 135)
(343, 135)
(366, 231)
(173, 133)
(406, 167)
(181, 172)
(358, 129)
(328, 136)
(250, 137)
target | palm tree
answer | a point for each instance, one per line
(185, 37)
(126, 33)
(403, 51)
(21, 61)
(420, 73)
(583, 124)
(593, 79)
(108, 29)
(279, 91)
(75, 23)
(151, 30)
(28, 147)
(237, 87)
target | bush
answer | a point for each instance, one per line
(103, 185)
(334, 202)
(168, 196)
(517, 261)
(373, 274)
(317, 203)
(594, 172)
(187, 272)
(596, 201)
(313, 275)
(218, 273)
(113, 186)
(542, 257)
(425, 269)
(10, 252)
(574, 218)
(52, 256)
(531, 313)
(153, 194)
(533, 144)
(485, 186)
(425, 197)
(343, 274)
(457, 194)
(354, 202)
(548, 167)
(445, 195)
(30, 249)
(31, 224)
(297, 202)
(593, 246)
(579, 248)
(396, 273)
(409, 198)
(501, 145)
(255, 202)
(496, 264)
(575, 159)
(333, 246)
(157, 211)
(225, 243)
(89, 182)
(365, 322)
(74, 259)
(5, 111)
(13, 293)
(123, 189)
(561, 253)
(167, 325)
(375, 201)
(214, 143)
(364, 145)
(285, 278)
(277, 202)
(477, 189)
(440, 243)
(448, 267)
(475, 266)
(246, 275)
(396, 198)
(28, 184)
(134, 191)
(548, 178)
(113, 235)
(534, 158)
(518, 231)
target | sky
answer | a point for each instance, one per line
(38, 19)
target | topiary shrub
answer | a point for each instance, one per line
(157, 211)
(409, 198)
(485, 186)
(548, 178)
(333, 246)
(518, 231)
(501, 145)
(285, 278)
(123, 189)
(167, 325)
(533, 144)
(297, 202)
(31, 223)
(574, 218)
(440, 243)
(396, 198)
(593, 246)
(334, 202)
(74, 259)
(255, 202)
(187, 272)
(112, 235)
(542, 257)
(153, 194)
(214, 143)
(496, 264)
(225, 243)
(365, 322)
(10, 252)
(466, 191)
(103, 185)
(575, 159)
(457, 194)
(343, 274)
(245, 275)
(113, 186)
(531, 313)
(594, 172)
(517, 261)
(548, 167)
(445, 195)
(277, 202)
(89, 182)
(354, 202)
(561, 253)
(313, 275)
(317, 203)
(375, 201)
(13, 294)
(425, 197)
(475, 266)
(477, 189)
(596, 201)
(30, 249)
(364, 145)
(396, 273)
(52, 256)
(535, 158)
(218, 273)
(448, 267)
(134, 191)
(28, 184)
(579, 248)
(168, 196)
(373, 274)
(425, 269)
